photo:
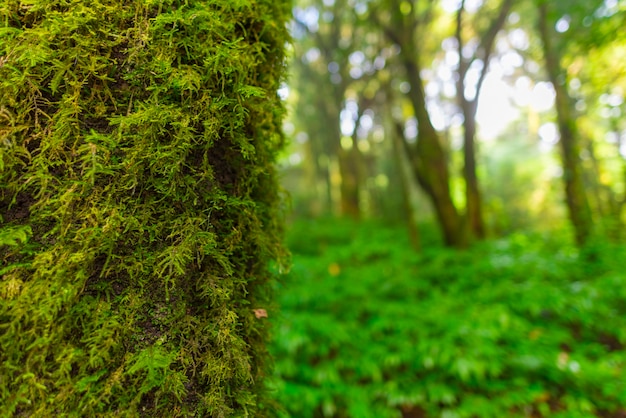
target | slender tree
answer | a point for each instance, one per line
(139, 209)
(330, 31)
(427, 156)
(469, 106)
(575, 194)
(397, 138)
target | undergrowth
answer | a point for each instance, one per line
(523, 326)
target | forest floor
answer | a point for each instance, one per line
(522, 326)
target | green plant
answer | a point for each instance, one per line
(521, 326)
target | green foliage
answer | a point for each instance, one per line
(522, 326)
(16, 235)
(139, 205)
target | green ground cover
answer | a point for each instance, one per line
(525, 326)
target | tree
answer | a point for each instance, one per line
(601, 86)
(554, 20)
(405, 22)
(575, 194)
(469, 104)
(328, 37)
(139, 205)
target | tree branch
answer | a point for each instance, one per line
(463, 65)
(488, 40)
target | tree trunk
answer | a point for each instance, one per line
(427, 158)
(429, 162)
(472, 192)
(139, 206)
(604, 199)
(349, 181)
(409, 215)
(326, 139)
(469, 106)
(350, 184)
(575, 196)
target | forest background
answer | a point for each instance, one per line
(457, 176)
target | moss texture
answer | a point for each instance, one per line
(139, 206)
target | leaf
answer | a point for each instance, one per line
(15, 235)
(155, 363)
(85, 383)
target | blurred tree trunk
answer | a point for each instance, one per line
(473, 197)
(607, 202)
(316, 180)
(322, 122)
(350, 181)
(347, 161)
(314, 117)
(602, 195)
(575, 195)
(343, 192)
(397, 139)
(614, 201)
(619, 202)
(427, 157)
(469, 106)
(429, 161)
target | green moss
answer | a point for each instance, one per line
(139, 205)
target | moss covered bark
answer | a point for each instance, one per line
(139, 205)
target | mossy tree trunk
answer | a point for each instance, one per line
(139, 205)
